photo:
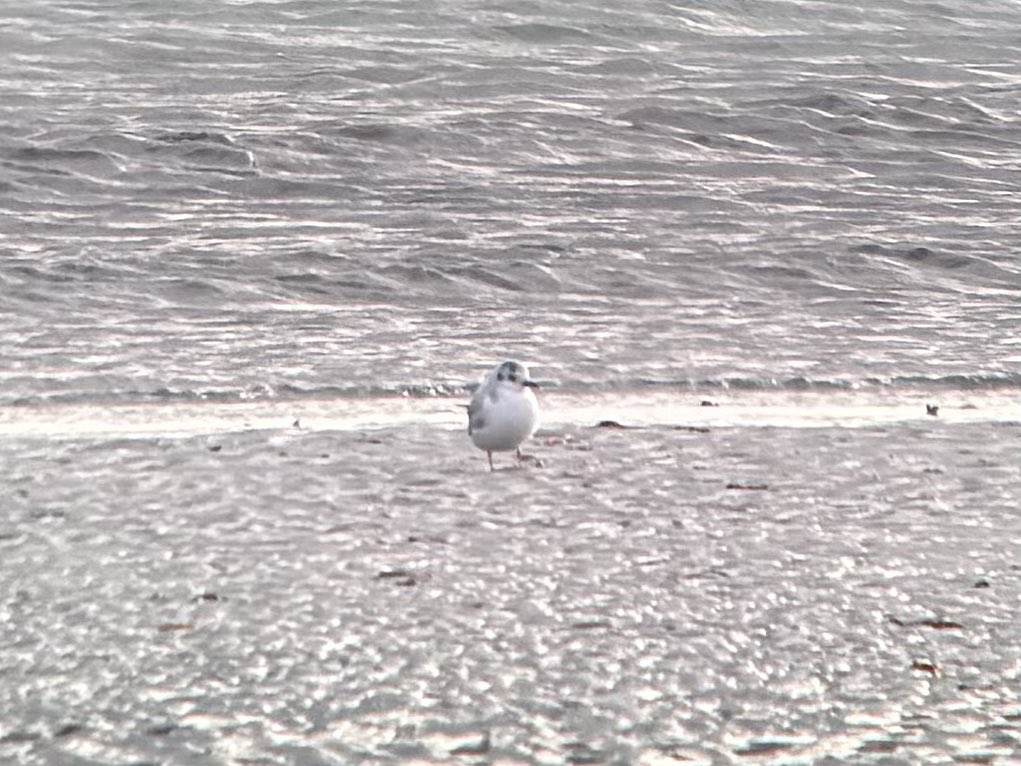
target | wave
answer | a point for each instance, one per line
(288, 392)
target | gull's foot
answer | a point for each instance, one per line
(532, 460)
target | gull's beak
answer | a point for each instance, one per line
(530, 383)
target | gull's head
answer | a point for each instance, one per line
(512, 374)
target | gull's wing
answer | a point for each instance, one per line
(475, 408)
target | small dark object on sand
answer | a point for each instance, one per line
(171, 627)
(19, 737)
(401, 577)
(610, 424)
(756, 487)
(932, 409)
(215, 447)
(591, 624)
(528, 459)
(935, 623)
(926, 667)
(707, 403)
(481, 747)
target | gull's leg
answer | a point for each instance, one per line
(519, 453)
(490, 454)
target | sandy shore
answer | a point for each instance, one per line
(653, 595)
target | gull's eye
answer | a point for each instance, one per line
(514, 377)
(500, 376)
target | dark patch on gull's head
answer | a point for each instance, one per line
(516, 373)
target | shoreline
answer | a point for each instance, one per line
(684, 409)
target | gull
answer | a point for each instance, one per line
(503, 412)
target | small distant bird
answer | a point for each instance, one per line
(932, 409)
(503, 412)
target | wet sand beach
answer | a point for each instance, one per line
(652, 595)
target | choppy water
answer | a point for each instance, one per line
(219, 217)
(303, 198)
